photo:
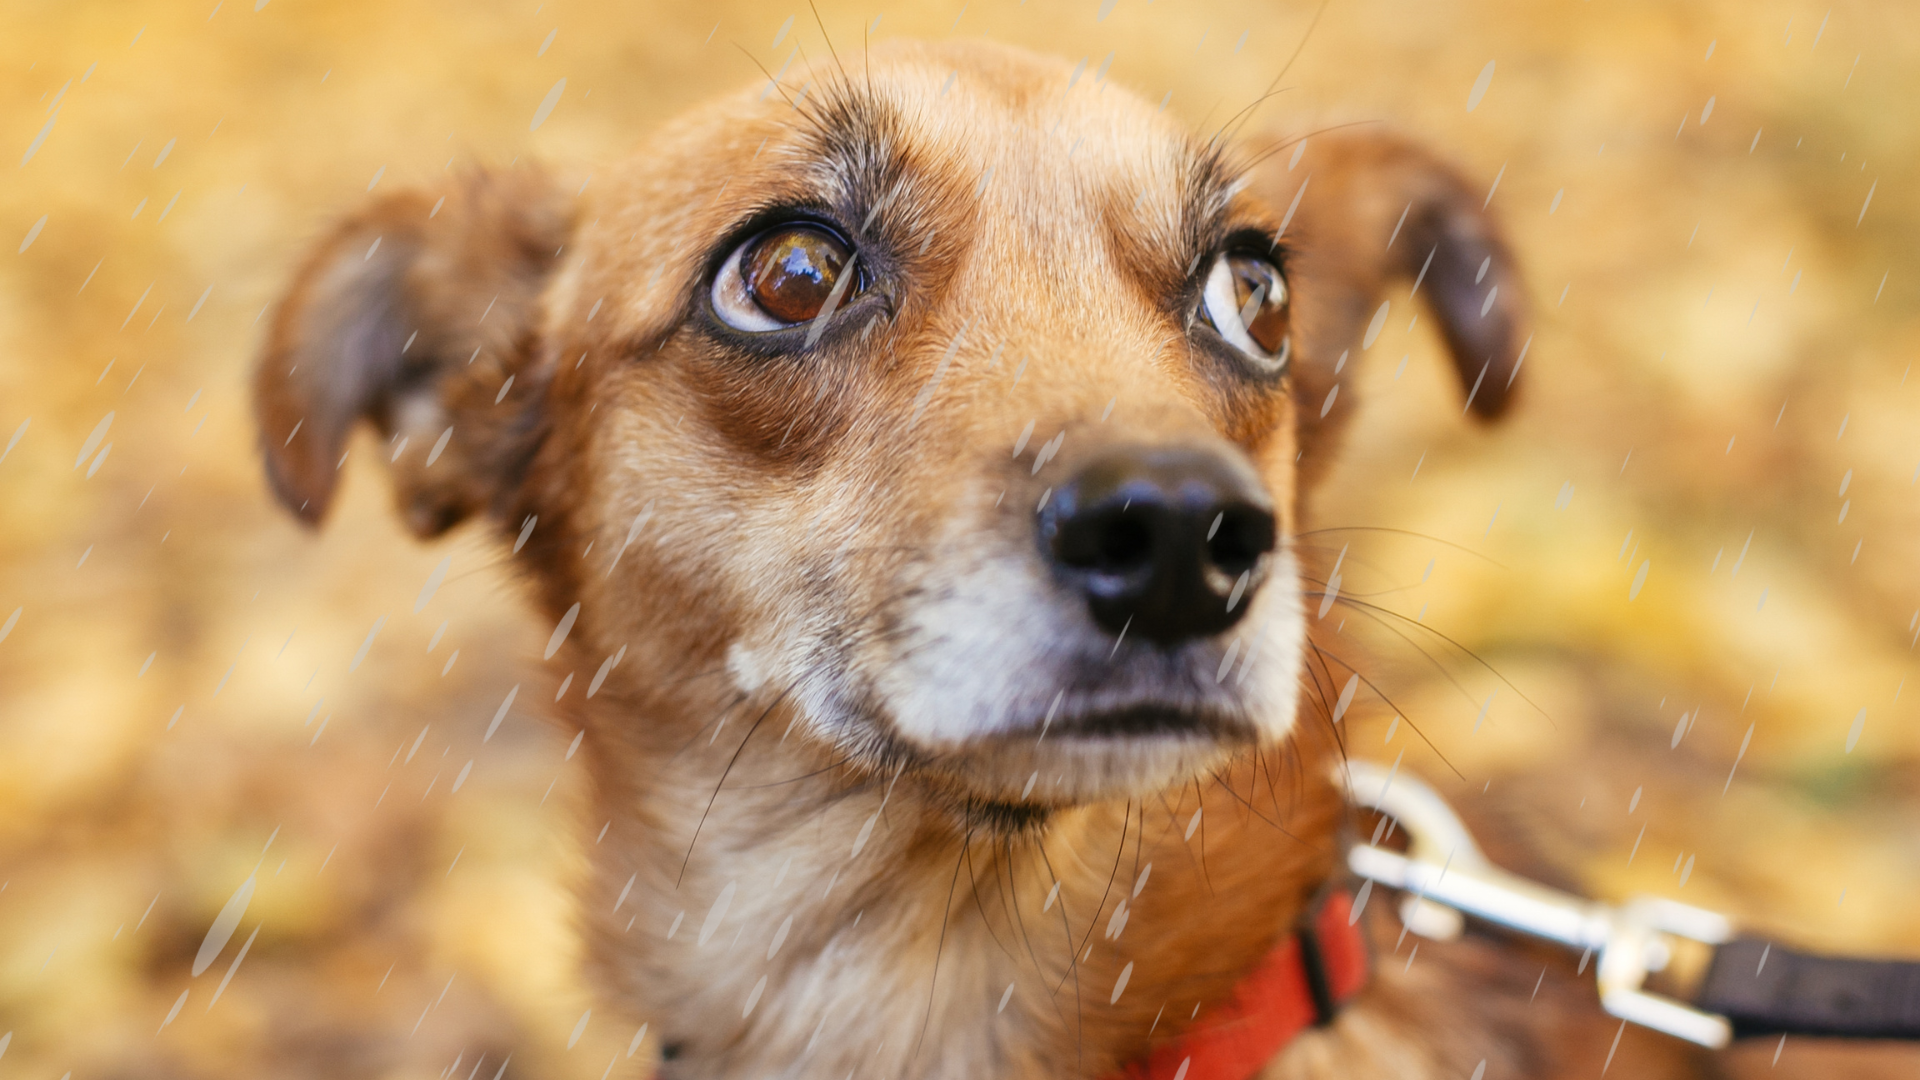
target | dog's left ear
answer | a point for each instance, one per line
(1373, 209)
(419, 313)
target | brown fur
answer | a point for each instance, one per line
(751, 538)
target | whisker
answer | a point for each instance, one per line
(1369, 684)
(1402, 532)
(722, 782)
(946, 915)
(1305, 36)
(1200, 805)
(980, 906)
(1377, 610)
(1013, 901)
(828, 38)
(739, 699)
(1257, 159)
(1255, 811)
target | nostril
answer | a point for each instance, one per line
(1124, 544)
(1106, 542)
(1240, 535)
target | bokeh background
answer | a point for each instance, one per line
(1688, 566)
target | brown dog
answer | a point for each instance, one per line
(914, 458)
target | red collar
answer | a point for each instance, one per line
(1301, 984)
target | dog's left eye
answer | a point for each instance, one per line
(1246, 301)
(782, 277)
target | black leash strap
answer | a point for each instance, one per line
(1766, 989)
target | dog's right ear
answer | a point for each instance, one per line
(420, 314)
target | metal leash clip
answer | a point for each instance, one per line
(1445, 876)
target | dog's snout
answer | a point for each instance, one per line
(1165, 543)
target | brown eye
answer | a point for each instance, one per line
(1246, 301)
(781, 278)
(1262, 298)
(790, 272)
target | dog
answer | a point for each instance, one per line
(916, 459)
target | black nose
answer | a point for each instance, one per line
(1166, 543)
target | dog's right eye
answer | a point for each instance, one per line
(783, 277)
(1246, 301)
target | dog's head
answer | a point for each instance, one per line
(957, 406)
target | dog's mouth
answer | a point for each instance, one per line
(1016, 778)
(1148, 721)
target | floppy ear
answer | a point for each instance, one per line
(419, 313)
(1374, 209)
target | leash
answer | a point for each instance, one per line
(1752, 986)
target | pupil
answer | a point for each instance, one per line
(1268, 326)
(791, 273)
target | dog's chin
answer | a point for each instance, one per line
(1019, 778)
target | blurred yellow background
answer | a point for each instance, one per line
(1695, 547)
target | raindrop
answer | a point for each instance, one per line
(546, 105)
(560, 632)
(17, 433)
(87, 448)
(866, 833)
(1346, 698)
(223, 927)
(1226, 662)
(1374, 327)
(501, 713)
(600, 676)
(367, 644)
(717, 912)
(432, 586)
(1025, 434)
(33, 233)
(780, 937)
(171, 1013)
(439, 445)
(1480, 87)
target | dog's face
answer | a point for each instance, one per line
(950, 406)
